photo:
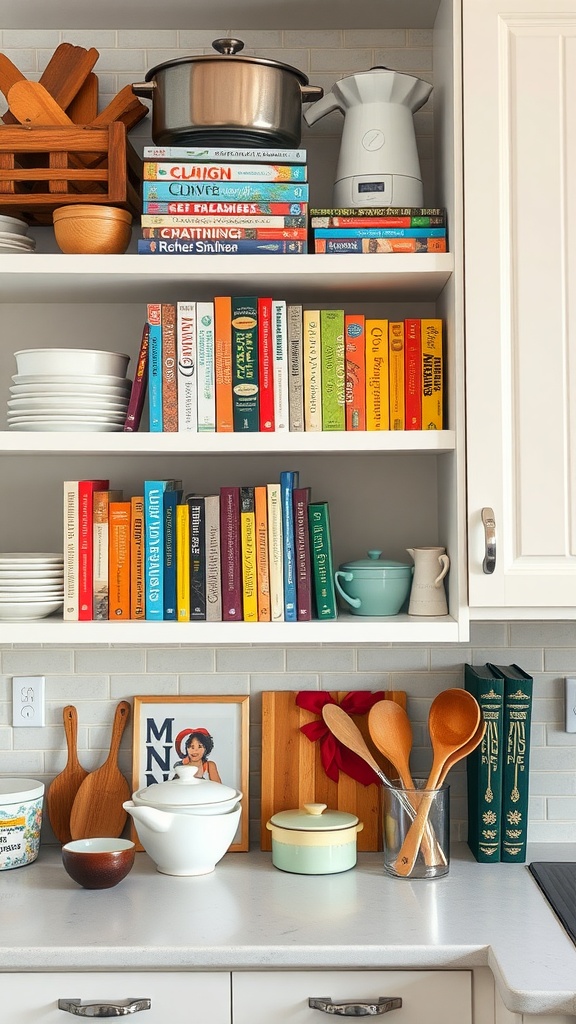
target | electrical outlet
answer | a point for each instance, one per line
(570, 705)
(28, 701)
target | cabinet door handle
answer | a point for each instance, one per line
(353, 1008)
(104, 1009)
(489, 563)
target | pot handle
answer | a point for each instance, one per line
(145, 89)
(348, 576)
(311, 93)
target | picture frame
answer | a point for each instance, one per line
(163, 725)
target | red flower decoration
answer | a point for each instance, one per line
(334, 755)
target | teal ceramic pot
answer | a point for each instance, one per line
(374, 585)
(313, 840)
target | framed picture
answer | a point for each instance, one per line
(211, 732)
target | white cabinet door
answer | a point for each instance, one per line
(433, 997)
(30, 998)
(520, 237)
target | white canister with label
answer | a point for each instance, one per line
(21, 803)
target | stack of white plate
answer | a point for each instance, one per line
(14, 235)
(40, 401)
(31, 585)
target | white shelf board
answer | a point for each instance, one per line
(365, 442)
(374, 277)
(346, 629)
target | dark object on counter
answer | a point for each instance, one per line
(98, 863)
(222, 99)
(558, 884)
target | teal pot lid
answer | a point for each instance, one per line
(375, 565)
(314, 818)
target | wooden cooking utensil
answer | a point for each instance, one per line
(9, 74)
(63, 788)
(32, 105)
(452, 722)
(465, 749)
(66, 72)
(84, 107)
(125, 107)
(97, 809)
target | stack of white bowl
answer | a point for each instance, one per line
(14, 235)
(31, 585)
(69, 389)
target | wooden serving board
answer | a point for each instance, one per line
(292, 772)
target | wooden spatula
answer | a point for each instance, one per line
(32, 104)
(63, 789)
(66, 72)
(84, 107)
(97, 809)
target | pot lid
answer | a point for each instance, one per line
(314, 818)
(228, 49)
(375, 563)
(13, 791)
(185, 790)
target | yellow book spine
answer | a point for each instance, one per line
(137, 597)
(261, 515)
(182, 563)
(396, 372)
(312, 365)
(432, 375)
(248, 549)
(119, 559)
(377, 402)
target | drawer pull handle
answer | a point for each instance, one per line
(489, 563)
(353, 1008)
(103, 1009)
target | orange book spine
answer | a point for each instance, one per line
(262, 570)
(396, 364)
(223, 363)
(377, 403)
(119, 559)
(137, 594)
(169, 367)
(355, 342)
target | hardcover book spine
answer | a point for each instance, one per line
(312, 360)
(322, 562)
(288, 481)
(355, 335)
(197, 557)
(484, 766)
(221, 247)
(333, 369)
(372, 245)
(151, 222)
(377, 378)
(380, 232)
(86, 490)
(262, 567)
(295, 367)
(223, 191)
(183, 563)
(396, 372)
(301, 500)
(275, 552)
(217, 171)
(137, 559)
(230, 554)
(412, 375)
(518, 693)
(379, 211)
(378, 222)
(213, 558)
(169, 368)
(154, 548)
(119, 560)
(248, 549)
(280, 349)
(245, 363)
(171, 499)
(155, 367)
(139, 385)
(187, 375)
(432, 375)
(224, 232)
(205, 367)
(70, 608)
(209, 208)
(100, 513)
(265, 366)
(277, 156)
(223, 363)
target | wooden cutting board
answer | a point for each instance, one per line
(292, 772)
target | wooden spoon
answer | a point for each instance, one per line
(463, 752)
(97, 809)
(63, 788)
(452, 722)
(33, 105)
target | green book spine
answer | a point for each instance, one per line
(518, 687)
(245, 363)
(333, 366)
(484, 765)
(322, 562)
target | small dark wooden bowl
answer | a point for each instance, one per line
(98, 863)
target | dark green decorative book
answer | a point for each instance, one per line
(518, 686)
(322, 562)
(245, 387)
(484, 765)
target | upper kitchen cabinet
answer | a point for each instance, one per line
(519, 63)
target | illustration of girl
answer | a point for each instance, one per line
(199, 745)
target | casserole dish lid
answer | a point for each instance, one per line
(227, 50)
(375, 565)
(313, 818)
(13, 791)
(185, 790)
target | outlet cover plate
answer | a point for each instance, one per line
(570, 705)
(28, 701)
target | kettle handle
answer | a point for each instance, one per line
(348, 576)
(323, 106)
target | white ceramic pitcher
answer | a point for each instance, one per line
(427, 596)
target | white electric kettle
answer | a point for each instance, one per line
(378, 163)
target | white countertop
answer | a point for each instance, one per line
(251, 915)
